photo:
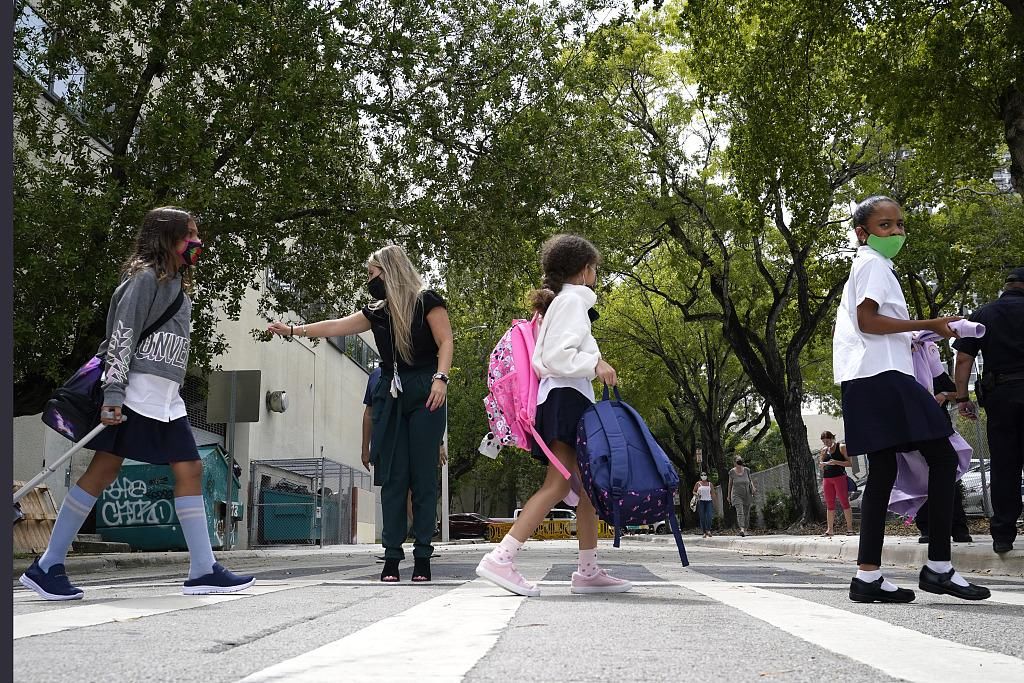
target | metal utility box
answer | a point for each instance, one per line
(138, 508)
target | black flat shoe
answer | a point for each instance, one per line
(421, 570)
(865, 591)
(923, 539)
(941, 584)
(962, 538)
(390, 572)
(1002, 546)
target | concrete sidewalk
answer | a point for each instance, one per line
(902, 551)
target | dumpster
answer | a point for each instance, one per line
(287, 516)
(138, 508)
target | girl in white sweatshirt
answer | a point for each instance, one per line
(567, 360)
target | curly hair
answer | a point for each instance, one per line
(161, 230)
(561, 257)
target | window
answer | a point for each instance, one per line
(30, 50)
(358, 350)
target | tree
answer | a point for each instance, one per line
(304, 133)
(704, 378)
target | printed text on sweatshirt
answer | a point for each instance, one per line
(137, 303)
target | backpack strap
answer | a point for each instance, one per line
(616, 447)
(171, 311)
(674, 523)
(547, 451)
(664, 466)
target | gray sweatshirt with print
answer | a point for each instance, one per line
(138, 302)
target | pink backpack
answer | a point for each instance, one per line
(511, 401)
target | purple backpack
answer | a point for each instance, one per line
(626, 473)
(74, 408)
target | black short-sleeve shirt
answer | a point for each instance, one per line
(424, 348)
(1003, 343)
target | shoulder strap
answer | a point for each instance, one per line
(171, 311)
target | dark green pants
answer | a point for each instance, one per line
(404, 449)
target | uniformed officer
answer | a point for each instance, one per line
(1001, 393)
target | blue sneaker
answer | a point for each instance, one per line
(51, 585)
(220, 580)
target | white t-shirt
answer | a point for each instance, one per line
(857, 354)
(155, 397)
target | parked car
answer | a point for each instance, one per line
(556, 514)
(467, 525)
(974, 502)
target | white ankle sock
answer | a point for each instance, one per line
(507, 549)
(943, 567)
(875, 576)
(588, 562)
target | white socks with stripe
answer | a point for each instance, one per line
(588, 562)
(507, 550)
(192, 515)
(943, 567)
(76, 507)
(875, 576)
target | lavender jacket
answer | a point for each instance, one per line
(911, 488)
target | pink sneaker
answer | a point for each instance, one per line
(504, 574)
(600, 582)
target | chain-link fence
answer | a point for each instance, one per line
(303, 501)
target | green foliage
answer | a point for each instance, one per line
(779, 511)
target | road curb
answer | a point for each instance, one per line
(83, 564)
(976, 558)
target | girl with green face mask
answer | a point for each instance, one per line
(885, 409)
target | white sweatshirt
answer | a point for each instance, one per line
(566, 353)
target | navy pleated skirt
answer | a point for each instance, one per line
(558, 417)
(147, 440)
(890, 410)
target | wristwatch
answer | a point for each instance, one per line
(441, 376)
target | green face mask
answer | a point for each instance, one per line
(887, 246)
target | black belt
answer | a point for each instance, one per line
(1003, 377)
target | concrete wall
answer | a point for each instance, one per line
(325, 395)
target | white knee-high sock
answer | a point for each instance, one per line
(192, 515)
(73, 511)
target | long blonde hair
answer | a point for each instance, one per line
(403, 286)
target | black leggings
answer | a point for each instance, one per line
(942, 460)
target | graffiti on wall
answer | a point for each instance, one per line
(134, 502)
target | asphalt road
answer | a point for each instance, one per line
(729, 616)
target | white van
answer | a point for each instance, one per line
(556, 514)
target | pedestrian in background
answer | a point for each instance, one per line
(705, 493)
(414, 339)
(1002, 396)
(833, 461)
(142, 385)
(885, 409)
(741, 494)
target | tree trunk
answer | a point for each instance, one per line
(1011, 108)
(803, 484)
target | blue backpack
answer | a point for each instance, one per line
(626, 473)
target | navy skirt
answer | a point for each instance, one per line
(890, 410)
(557, 418)
(147, 440)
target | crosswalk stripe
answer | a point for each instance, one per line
(463, 624)
(65, 619)
(894, 650)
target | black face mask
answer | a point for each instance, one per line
(376, 288)
(593, 315)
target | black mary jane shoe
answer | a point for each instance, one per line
(871, 591)
(942, 584)
(1002, 546)
(390, 572)
(421, 570)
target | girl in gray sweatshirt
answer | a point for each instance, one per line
(145, 354)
